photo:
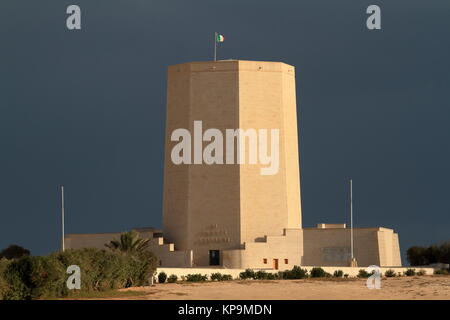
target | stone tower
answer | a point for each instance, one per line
(237, 214)
(220, 211)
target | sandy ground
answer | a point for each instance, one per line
(425, 287)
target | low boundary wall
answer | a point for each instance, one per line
(351, 271)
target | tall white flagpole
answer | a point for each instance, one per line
(215, 46)
(351, 218)
(62, 217)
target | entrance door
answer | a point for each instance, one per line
(275, 264)
(214, 257)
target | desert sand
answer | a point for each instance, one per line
(424, 287)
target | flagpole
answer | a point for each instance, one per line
(62, 217)
(215, 46)
(351, 218)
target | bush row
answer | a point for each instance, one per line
(317, 272)
(295, 273)
(391, 273)
(442, 272)
(35, 277)
(220, 277)
(196, 277)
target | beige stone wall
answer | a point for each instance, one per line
(176, 178)
(221, 207)
(201, 202)
(396, 255)
(331, 247)
(389, 248)
(272, 252)
(267, 100)
(167, 256)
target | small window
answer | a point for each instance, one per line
(286, 261)
(160, 263)
(265, 261)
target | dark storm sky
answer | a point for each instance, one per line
(87, 108)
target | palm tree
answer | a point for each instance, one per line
(129, 242)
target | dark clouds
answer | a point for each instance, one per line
(86, 109)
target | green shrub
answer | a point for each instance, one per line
(338, 274)
(272, 276)
(298, 273)
(34, 277)
(220, 277)
(162, 276)
(318, 272)
(16, 276)
(103, 270)
(172, 278)
(45, 277)
(441, 272)
(139, 269)
(247, 274)
(3, 284)
(100, 270)
(295, 273)
(216, 276)
(421, 272)
(410, 272)
(261, 275)
(362, 273)
(196, 277)
(389, 273)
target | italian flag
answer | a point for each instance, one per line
(220, 38)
